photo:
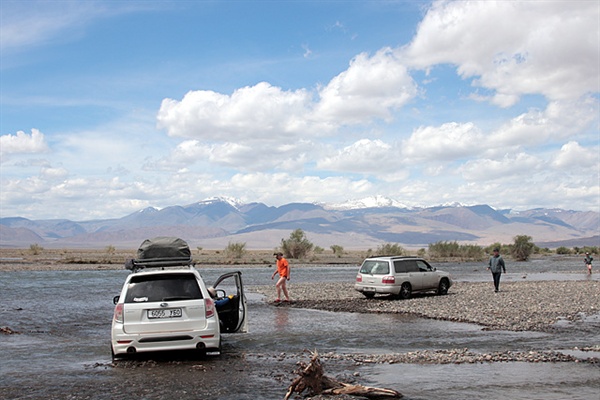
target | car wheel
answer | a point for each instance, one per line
(369, 295)
(405, 291)
(443, 287)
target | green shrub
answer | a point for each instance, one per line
(522, 247)
(590, 249)
(35, 249)
(563, 250)
(297, 245)
(390, 249)
(235, 250)
(503, 249)
(337, 250)
(454, 250)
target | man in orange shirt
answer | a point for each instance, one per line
(283, 269)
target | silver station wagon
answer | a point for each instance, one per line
(400, 276)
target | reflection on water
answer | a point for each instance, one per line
(489, 381)
(281, 319)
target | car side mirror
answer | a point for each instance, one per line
(116, 299)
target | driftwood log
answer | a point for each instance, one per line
(312, 378)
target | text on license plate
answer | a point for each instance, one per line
(369, 289)
(165, 313)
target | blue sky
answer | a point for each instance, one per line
(109, 107)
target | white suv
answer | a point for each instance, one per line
(400, 276)
(165, 304)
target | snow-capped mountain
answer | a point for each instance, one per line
(453, 204)
(363, 224)
(367, 202)
(232, 201)
(148, 210)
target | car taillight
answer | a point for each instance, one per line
(359, 278)
(209, 306)
(119, 313)
(388, 279)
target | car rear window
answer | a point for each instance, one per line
(375, 267)
(162, 287)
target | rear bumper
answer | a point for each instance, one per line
(376, 289)
(124, 343)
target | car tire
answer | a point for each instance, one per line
(405, 291)
(443, 287)
(369, 295)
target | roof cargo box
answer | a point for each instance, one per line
(163, 252)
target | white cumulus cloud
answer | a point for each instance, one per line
(518, 167)
(444, 143)
(363, 156)
(22, 142)
(371, 87)
(514, 47)
(560, 120)
(260, 111)
(572, 155)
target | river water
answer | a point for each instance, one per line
(63, 346)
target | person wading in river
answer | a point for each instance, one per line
(496, 265)
(283, 269)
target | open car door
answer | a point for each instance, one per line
(231, 303)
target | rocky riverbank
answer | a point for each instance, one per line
(519, 306)
(456, 356)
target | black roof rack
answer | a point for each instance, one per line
(161, 252)
(137, 265)
(393, 257)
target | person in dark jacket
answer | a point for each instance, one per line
(588, 262)
(497, 266)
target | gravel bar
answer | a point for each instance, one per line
(451, 356)
(519, 306)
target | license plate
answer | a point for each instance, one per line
(165, 313)
(368, 289)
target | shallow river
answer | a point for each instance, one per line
(63, 348)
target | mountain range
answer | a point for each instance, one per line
(362, 224)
